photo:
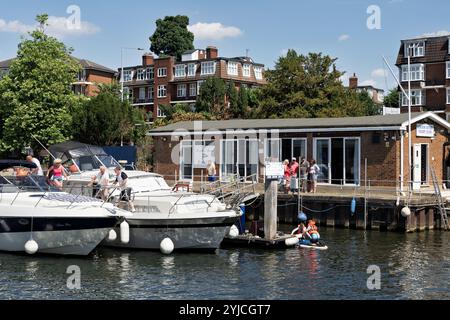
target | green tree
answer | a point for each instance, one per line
(36, 96)
(106, 120)
(391, 100)
(212, 98)
(172, 36)
(233, 100)
(308, 86)
(243, 101)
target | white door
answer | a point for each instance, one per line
(417, 166)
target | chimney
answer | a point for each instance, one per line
(353, 82)
(147, 59)
(212, 52)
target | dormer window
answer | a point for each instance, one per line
(415, 49)
(232, 68)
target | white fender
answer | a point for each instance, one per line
(291, 241)
(166, 246)
(124, 232)
(31, 246)
(234, 232)
(112, 235)
(406, 212)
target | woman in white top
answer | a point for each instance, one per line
(314, 171)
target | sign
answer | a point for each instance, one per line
(203, 154)
(274, 170)
(425, 130)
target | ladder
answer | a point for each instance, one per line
(441, 205)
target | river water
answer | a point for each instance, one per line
(413, 266)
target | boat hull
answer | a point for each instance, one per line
(186, 234)
(63, 236)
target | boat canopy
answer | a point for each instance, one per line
(7, 164)
(73, 150)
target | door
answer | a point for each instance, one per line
(186, 167)
(417, 166)
(323, 158)
(337, 161)
(351, 160)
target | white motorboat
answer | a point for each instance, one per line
(35, 218)
(191, 221)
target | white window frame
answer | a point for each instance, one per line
(414, 101)
(181, 90)
(162, 91)
(162, 72)
(258, 72)
(246, 70)
(208, 68)
(160, 113)
(223, 174)
(193, 89)
(448, 69)
(180, 71)
(448, 95)
(233, 68)
(142, 93)
(417, 72)
(151, 93)
(417, 48)
(199, 85)
(128, 93)
(149, 73)
(127, 75)
(141, 74)
(191, 70)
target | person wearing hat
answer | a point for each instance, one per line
(294, 172)
(57, 174)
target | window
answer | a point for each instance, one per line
(208, 67)
(162, 91)
(192, 69)
(160, 113)
(141, 93)
(415, 49)
(193, 89)
(199, 86)
(141, 74)
(81, 75)
(417, 72)
(162, 72)
(246, 70)
(150, 93)
(127, 75)
(128, 94)
(180, 70)
(417, 98)
(448, 69)
(258, 72)
(181, 90)
(233, 68)
(149, 73)
(448, 95)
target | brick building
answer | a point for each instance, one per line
(339, 145)
(164, 80)
(430, 74)
(376, 94)
(87, 80)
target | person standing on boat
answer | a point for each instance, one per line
(303, 172)
(57, 174)
(287, 176)
(101, 183)
(38, 170)
(294, 173)
(122, 183)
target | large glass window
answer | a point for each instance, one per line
(181, 90)
(162, 91)
(448, 95)
(246, 70)
(415, 49)
(352, 160)
(180, 71)
(323, 159)
(186, 160)
(193, 89)
(232, 68)
(240, 157)
(208, 68)
(272, 150)
(162, 72)
(258, 72)
(127, 75)
(417, 72)
(417, 98)
(192, 69)
(448, 69)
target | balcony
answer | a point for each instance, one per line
(138, 101)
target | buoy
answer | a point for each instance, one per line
(166, 246)
(291, 241)
(406, 212)
(124, 232)
(31, 246)
(353, 206)
(234, 232)
(112, 235)
(302, 216)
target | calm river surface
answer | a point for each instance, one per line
(413, 266)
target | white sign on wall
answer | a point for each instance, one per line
(274, 170)
(203, 154)
(425, 130)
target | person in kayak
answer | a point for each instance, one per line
(313, 232)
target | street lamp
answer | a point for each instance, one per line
(121, 66)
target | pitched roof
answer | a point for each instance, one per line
(395, 120)
(5, 64)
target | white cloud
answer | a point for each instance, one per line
(439, 33)
(369, 82)
(214, 31)
(344, 37)
(379, 73)
(59, 27)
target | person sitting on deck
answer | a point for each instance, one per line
(57, 174)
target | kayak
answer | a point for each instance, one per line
(314, 246)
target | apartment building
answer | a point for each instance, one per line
(164, 80)
(376, 94)
(91, 75)
(429, 74)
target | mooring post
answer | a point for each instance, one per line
(270, 209)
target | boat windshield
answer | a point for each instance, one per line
(26, 183)
(92, 162)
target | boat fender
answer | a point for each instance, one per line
(112, 235)
(353, 206)
(291, 241)
(406, 212)
(166, 246)
(31, 246)
(124, 232)
(234, 232)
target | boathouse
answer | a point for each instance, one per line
(346, 149)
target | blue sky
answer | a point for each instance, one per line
(265, 27)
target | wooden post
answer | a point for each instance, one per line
(270, 209)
